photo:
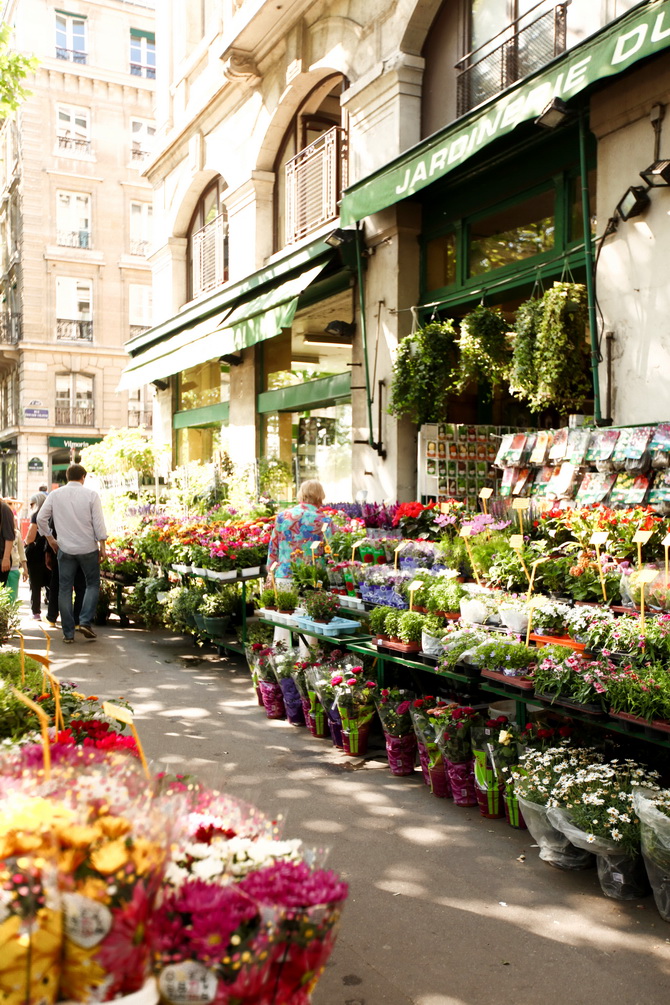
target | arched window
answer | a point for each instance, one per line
(311, 166)
(208, 242)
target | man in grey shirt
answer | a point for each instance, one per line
(76, 514)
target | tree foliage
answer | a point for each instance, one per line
(14, 68)
(121, 451)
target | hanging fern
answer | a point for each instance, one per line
(423, 373)
(523, 375)
(485, 354)
(561, 354)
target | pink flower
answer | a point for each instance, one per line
(370, 683)
(336, 680)
(351, 682)
(403, 707)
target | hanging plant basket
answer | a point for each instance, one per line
(561, 353)
(485, 351)
(423, 373)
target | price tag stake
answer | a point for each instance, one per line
(398, 549)
(640, 538)
(516, 544)
(466, 534)
(644, 578)
(485, 494)
(520, 505)
(123, 715)
(666, 546)
(413, 587)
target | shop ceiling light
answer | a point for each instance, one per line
(160, 385)
(344, 329)
(340, 237)
(634, 202)
(657, 174)
(553, 115)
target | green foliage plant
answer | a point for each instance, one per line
(268, 599)
(180, 606)
(377, 619)
(561, 354)
(410, 626)
(444, 595)
(142, 602)
(485, 353)
(221, 603)
(10, 618)
(523, 373)
(287, 600)
(391, 623)
(513, 658)
(423, 373)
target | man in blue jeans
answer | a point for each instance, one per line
(77, 513)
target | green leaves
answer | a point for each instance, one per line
(423, 373)
(485, 353)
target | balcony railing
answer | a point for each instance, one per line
(314, 181)
(139, 154)
(140, 417)
(73, 55)
(73, 238)
(136, 330)
(10, 328)
(142, 70)
(209, 248)
(73, 331)
(66, 415)
(72, 143)
(522, 49)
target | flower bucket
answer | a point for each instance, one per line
(355, 738)
(655, 839)
(273, 700)
(315, 716)
(513, 814)
(433, 769)
(335, 727)
(621, 875)
(488, 788)
(461, 775)
(554, 846)
(292, 701)
(401, 753)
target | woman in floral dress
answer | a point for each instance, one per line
(295, 528)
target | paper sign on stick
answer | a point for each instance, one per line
(123, 715)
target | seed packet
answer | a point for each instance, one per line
(595, 487)
(538, 455)
(629, 489)
(559, 447)
(578, 445)
(562, 484)
(660, 446)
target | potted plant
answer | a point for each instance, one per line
(514, 614)
(217, 609)
(568, 679)
(391, 625)
(268, 600)
(355, 701)
(551, 619)
(393, 707)
(410, 626)
(321, 607)
(444, 597)
(431, 634)
(423, 373)
(506, 661)
(287, 601)
(376, 620)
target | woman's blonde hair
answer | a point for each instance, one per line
(311, 492)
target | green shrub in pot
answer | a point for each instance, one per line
(391, 623)
(410, 626)
(445, 595)
(377, 618)
(268, 599)
(221, 603)
(433, 626)
(287, 600)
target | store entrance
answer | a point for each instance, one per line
(313, 444)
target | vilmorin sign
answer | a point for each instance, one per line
(640, 34)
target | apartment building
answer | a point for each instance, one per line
(328, 175)
(75, 232)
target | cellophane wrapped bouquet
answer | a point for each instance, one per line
(393, 707)
(284, 663)
(355, 702)
(243, 918)
(425, 714)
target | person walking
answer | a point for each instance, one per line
(35, 545)
(76, 513)
(7, 538)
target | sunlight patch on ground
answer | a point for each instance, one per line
(172, 687)
(292, 793)
(423, 835)
(324, 826)
(188, 713)
(403, 887)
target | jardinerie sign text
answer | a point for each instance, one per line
(642, 34)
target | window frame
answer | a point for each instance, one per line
(140, 236)
(69, 21)
(197, 223)
(83, 242)
(71, 378)
(145, 44)
(81, 327)
(77, 144)
(143, 149)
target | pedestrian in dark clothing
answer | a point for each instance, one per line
(7, 536)
(35, 545)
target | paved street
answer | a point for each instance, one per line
(445, 908)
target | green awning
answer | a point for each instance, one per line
(73, 442)
(243, 325)
(643, 32)
(140, 33)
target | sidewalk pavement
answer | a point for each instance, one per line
(445, 907)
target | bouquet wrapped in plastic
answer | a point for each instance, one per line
(354, 700)
(425, 714)
(252, 652)
(393, 707)
(489, 786)
(454, 738)
(283, 666)
(271, 692)
(31, 927)
(320, 679)
(315, 715)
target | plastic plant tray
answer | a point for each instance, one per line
(338, 626)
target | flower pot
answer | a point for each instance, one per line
(199, 620)
(588, 708)
(655, 841)
(216, 627)
(315, 718)
(461, 777)
(488, 787)
(555, 848)
(292, 701)
(250, 572)
(651, 728)
(273, 700)
(401, 753)
(431, 646)
(222, 575)
(513, 814)
(520, 683)
(355, 740)
(433, 770)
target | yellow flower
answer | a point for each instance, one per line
(114, 827)
(505, 737)
(94, 889)
(146, 855)
(78, 835)
(109, 857)
(80, 972)
(42, 949)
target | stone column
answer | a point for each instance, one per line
(250, 223)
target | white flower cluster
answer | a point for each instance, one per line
(229, 859)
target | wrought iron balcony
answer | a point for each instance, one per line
(73, 238)
(315, 178)
(73, 55)
(209, 250)
(521, 49)
(10, 328)
(66, 415)
(73, 331)
(74, 144)
(140, 248)
(139, 155)
(136, 330)
(140, 417)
